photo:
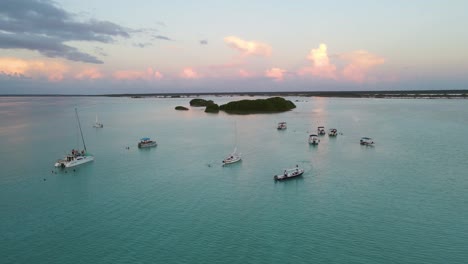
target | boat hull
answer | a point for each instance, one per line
(231, 161)
(147, 145)
(73, 163)
(283, 177)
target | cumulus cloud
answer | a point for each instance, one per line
(275, 73)
(89, 73)
(248, 48)
(321, 66)
(360, 62)
(42, 26)
(189, 73)
(53, 71)
(149, 74)
(162, 38)
(142, 45)
(245, 74)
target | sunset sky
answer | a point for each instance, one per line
(98, 47)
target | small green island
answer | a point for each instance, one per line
(212, 108)
(181, 108)
(258, 106)
(270, 105)
(198, 102)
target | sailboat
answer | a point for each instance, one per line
(97, 124)
(234, 156)
(76, 157)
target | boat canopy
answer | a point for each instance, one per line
(320, 127)
(145, 139)
(312, 135)
(366, 138)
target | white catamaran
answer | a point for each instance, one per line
(76, 157)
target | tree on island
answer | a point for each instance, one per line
(270, 105)
(200, 102)
(212, 108)
(183, 108)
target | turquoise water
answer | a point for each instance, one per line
(403, 201)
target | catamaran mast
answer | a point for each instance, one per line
(81, 132)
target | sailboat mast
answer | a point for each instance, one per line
(81, 132)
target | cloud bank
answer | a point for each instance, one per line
(53, 71)
(42, 26)
(149, 74)
(360, 62)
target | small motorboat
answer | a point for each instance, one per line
(332, 132)
(366, 141)
(313, 139)
(282, 126)
(147, 143)
(321, 131)
(289, 173)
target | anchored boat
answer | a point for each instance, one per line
(98, 124)
(289, 173)
(333, 132)
(147, 143)
(232, 158)
(313, 139)
(321, 130)
(76, 157)
(366, 141)
(282, 126)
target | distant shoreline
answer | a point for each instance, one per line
(418, 94)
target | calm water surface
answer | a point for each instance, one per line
(403, 201)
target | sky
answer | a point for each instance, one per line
(110, 46)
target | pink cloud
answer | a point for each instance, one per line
(275, 73)
(149, 74)
(189, 73)
(245, 74)
(248, 48)
(360, 62)
(89, 73)
(321, 66)
(52, 70)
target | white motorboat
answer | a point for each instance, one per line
(147, 143)
(76, 157)
(289, 173)
(313, 139)
(282, 126)
(366, 141)
(98, 124)
(232, 158)
(321, 130)
(332, 132)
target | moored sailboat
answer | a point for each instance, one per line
(98, 124)
(234, 156)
